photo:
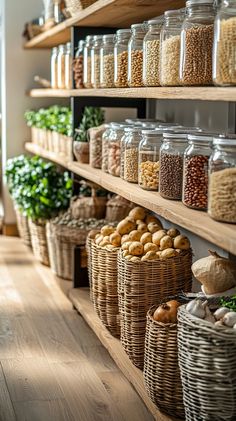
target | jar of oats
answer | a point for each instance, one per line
(95, 61)
(121, 57)
(222, 180)
(61, 67)
(107, 61)
(114, 145)
(149, 150)
(224, 66)
(87, 62)
(135, 55)
(131, 154)
(170, 47)
(197, 43)
(151, 53)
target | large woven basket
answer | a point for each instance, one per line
(207, 358)
(75, 6)
(39, 241)
(23, 227)
(89, 242)
(141, 285)
(118, 208)
(161, 369)
(104, 287)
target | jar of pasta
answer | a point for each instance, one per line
(107, 61)
(135, 56)
(95, 61)
(121, 57)
(87, 62)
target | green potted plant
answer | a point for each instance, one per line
(92, 117)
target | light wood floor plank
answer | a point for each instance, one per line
(51, 410)
(6, 408)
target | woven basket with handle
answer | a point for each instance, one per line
(23, 227)
(75, 6)
(118, 208)
(39, 241)
(89, 207)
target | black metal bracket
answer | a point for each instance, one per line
(80, 273)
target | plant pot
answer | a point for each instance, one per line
(81, 151)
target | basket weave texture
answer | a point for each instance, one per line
(141, 285)
(104, 287)
(75, 6)
(23, 227)
(89, 242)
(39, 241)
(89, 207)
(161, 369)
(207, 359)
(118, 208)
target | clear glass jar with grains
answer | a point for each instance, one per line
(121, 57)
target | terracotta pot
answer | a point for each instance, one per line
(81, 151)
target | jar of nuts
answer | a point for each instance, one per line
(95, 61)
(105, 146)
(121, 57)
(151, 53)
(107, 61)
(170, 47)
(149, 149)
(114, 144)
(197, 43)
(131, 154)
(196, 166)
(78, 65)
(87, 62)
(135, 55)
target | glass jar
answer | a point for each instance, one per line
(114, 145)
(58, 6)
(124, 139)
(196, 165)
(78, 65)
(197, 43)
(222, 180)
(142, 121)
(68, 66)
(149, 149)
(131, 154)
(105, 146)
(95, 61)
(61, 67)
(135, 55)
(151, 53)
(224, 64)
(107, 61)
(87, 76)
(54, 73)
(121, 58)
(170, 47)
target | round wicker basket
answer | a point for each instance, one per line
(39, 241)
(23, 227)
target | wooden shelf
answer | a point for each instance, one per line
(104, 13)
(223, 235)
(81, 301)
(209, 93)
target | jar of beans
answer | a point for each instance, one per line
(87, 62)
(121, 58)
(107, 61)
(197, 43)
(54, 68)
(151, 56)
(135, 56)
(105, 146)
(68, 66)
(170, 47)
(124, 139)
(149, 149)
(196, 166)
(224, 68)
(95, 61)
(61, 67)
(78, 65)
(131, 154)
(222, 180)
(114, 144)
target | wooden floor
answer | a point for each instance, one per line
(52, 366)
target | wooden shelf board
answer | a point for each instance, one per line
(223, 235)
(81, 301)
(209, 93)
(104, 13)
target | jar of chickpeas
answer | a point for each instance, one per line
(149, 150)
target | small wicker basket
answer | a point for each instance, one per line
(118, 208)
(89, 207)
(23, 227)
(207, 359)
(39, 241)
(141, 285)
(75, 6)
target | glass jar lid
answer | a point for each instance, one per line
(133, 129)
(108, 37)
(229, 140)
(88, 39)
(201, 138)
(62, 47)
(121, 32)
(190, 3)
(97, 38)
(155, 22)
(152, 132)
(54, 50)
(173, 13)
(175, 136)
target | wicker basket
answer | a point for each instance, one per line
(89, 207)
(118, 208)
(104, 287)
(89, 242)
(23, 227)
(161, 369)
(75, 6)
(39, 241)
(207, 358)
(141, 285)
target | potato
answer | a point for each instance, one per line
(93, 234)
(157, 236)
(167, 253)
(152, 227)
(125, 253)
(150, 255)
(178, 251)
(150, 247)
(138, 213)
(99, 239)
(126, 226)
(146, 238)
(104, 243)
(97, 235)
(181, 242)
(135, 259)
(135, 235)
(166, 242)
(124, 238)
(107, 230)
(158, 253)
(126, 245)
(115, 239)
(151, 218)
(128, 257)
(110, 247)
(107, 238)
(142, 227)
(139, 221)
(136, 248)
(173, 232)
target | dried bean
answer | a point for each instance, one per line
(131, 165)
(171, 176)
(152, 61)
(170, 61)
(222, 195)
(136, 69)
(196, 182)
(121, 71)
(107, 76)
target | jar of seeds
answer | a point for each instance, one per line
(224, 67)
(121, 58)
(197, 43)
(131, 154)
(114, 144)
(170, 47)
(107, 61)
(149, 150)
(222, 180)
(78, 65)
(151, 53)
(61, 67)
(95, 61)
(105, 146)
(87, 62)
(124, 139)
(196, 166)
(135, 55)
(68, 66)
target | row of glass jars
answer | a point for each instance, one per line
(61, 67)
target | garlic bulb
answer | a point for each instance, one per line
(219, 323)
(221, 312)
(209, 316)
(229, 319)
(234, 326)
(196, 308)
